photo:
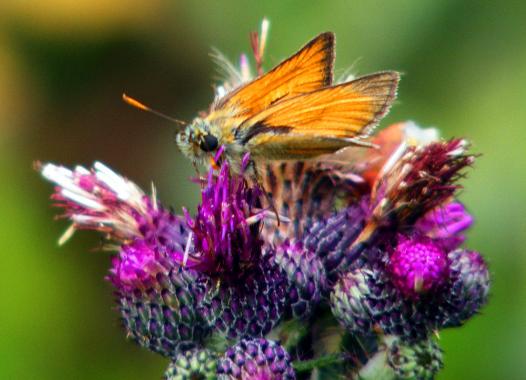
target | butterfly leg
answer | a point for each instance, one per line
(199, 177)
(256, 178)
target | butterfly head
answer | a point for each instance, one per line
(198, 141)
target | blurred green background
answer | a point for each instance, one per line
(64, 65)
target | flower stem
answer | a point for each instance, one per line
(320, 362)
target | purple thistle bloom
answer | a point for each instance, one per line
(226, 239)
(446, 224)
(160, 302)
(259, 359)
(165, 317)
(418, 265)
(158, 299)
(137, 266)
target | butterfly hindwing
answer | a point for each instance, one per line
(322, 121)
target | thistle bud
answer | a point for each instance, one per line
(256, 359)
(468, 287)
(191, 365)
(417, 361)
(305, 277)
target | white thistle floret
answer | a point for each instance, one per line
(414, 135)
(95, 212)
(66, 180)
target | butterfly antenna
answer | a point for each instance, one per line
(135, 103)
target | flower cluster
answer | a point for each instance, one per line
(368, 255)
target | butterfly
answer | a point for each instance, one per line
(292, 112)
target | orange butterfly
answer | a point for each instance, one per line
(292, 112)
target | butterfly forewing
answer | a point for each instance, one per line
(322, 121)
(306, 71)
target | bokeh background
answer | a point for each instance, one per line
(64, 65)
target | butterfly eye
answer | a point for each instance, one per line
(209, 143)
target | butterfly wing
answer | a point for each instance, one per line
(322, 121)
(307, 70)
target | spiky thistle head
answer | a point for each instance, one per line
(157, 298)
(417, 179)
(370, 298)
(225, 230)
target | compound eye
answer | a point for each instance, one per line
(209, 143)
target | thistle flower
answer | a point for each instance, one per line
(180, 279)
(418, 265)
(249, 294)
(162, 312)
(158, 300)
(416, 179)
(225, 230)
(100, 199)
(193, 364)
(368, 299)
(256, 359)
